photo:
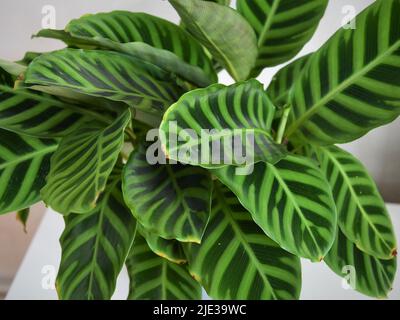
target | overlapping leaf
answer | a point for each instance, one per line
(5, 78)
(24, 165)
(362, 214)
(164, 59)
(283, 81)
(127, 27)
(351, 85)
(106, 74)
(27, 112)
(171, 200)
(81, 165)
(13, 68)
(238, 119)
(236, 260)
(373, 277)
(230, 39)
(291, 201)
(156, 278)
(171, 250)
(283, 27)
(95, 246)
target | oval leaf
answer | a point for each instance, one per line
(351, 85)
(361, 210)
(282, 27)
(171, 200)
(230, 39)
(39, 115)
(246, 264)
(155, 278)
(24, 165)
(95, 246)
(106, 74)
(291, 201)
(81, 165)
(236, 117)
(373, 277)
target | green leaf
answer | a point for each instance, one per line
(106, 74)
(29, 57)
(361, 210)
(13, 68)
(5, 78)
(230, 39)
(126, 27)
(236, 260)
(39, 115)
(171, 200)
(242, 110)
(95, 246)
(282, 82)
(24, 165)
(171, 250)
(291, 201)
(164, 59)
(282, 27)
(81, 165)
(224, 2)
(351, 85)
(155, 278)
(22, 216)
(373, 277)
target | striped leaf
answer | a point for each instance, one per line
(13, 68)
(283, 81)
(236, 260)
(126, 27)
(282, 27)
(171, 250)
(362, 213)
(81, 165)
(95, 246)
(26, 112)
(5, 78)
(373, 277)
(291, 201)
(224, 2)
(351, 85)
(238, 117)
(163, 59)
(106, 74)
(171, 200)
(24, 165)
(230, 39)
(155, 278)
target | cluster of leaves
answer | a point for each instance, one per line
(73, 125)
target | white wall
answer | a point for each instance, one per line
(19, 19)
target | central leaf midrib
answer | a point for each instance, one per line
(344, 85)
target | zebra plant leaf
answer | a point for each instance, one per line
(156, 278)
(362, 213)
(39, 115)
(246, 264)
(171, 250)
(230, 39)
(81, 165)
(291, 201)
(171, 200)
(373, 277)
(166, 60)
(95, 246)
(237, 117)
(106, 74)
(127, 27)
(351, 84)
(282, 82)
(282, 27)
(24, 165)
(5, 78)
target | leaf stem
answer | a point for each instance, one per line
(283, 123)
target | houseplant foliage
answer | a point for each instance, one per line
(73, 134)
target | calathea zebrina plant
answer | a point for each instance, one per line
(111, 133)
